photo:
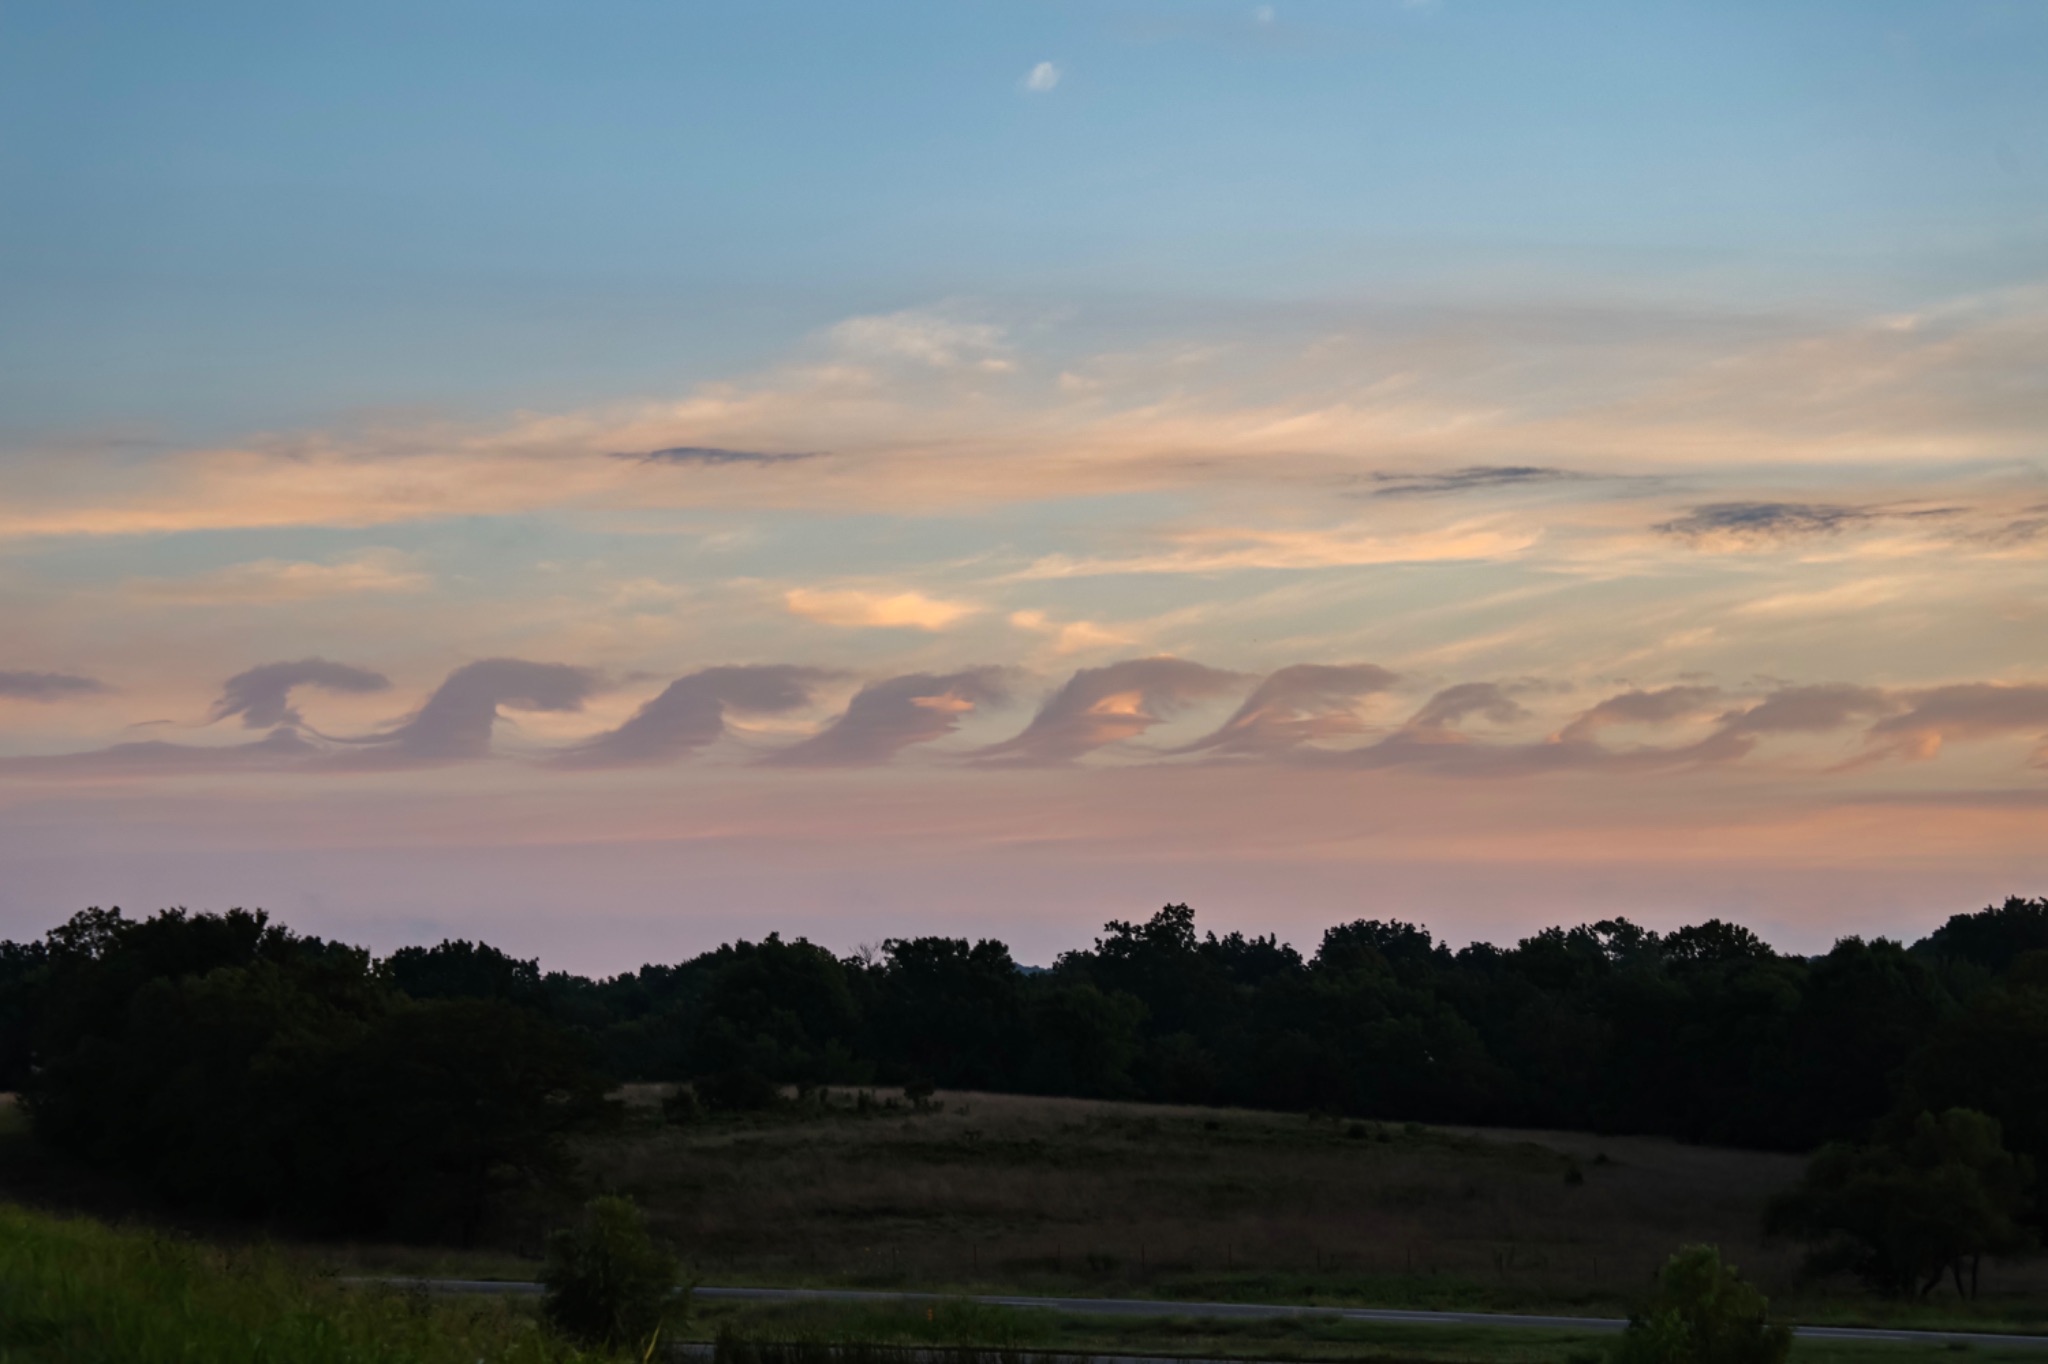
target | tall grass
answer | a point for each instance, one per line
(79, 1292)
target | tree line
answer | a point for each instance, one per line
(226, 1059)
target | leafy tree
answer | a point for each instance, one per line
(607, 1283)
(1863, 1011)
(1703, 1313)
(1162, 963)
(1995, 936)
(436, 1107)
(459, 969)
(1086, 1040)
(231, 1064)
(1992, 1057)
(785, 1009)
(24, 968)
(950, 1011)
(1932, 1195)
(1715, 941)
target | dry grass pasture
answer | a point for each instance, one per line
(987, 1191)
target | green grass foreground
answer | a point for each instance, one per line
(1016, 1335)
(77, 1292)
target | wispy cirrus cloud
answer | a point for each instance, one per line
(907, 402)
(1072, 636)
(1224, 549)
(929, 338)
(878, 609)
(266, 581)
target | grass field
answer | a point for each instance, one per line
(1309, 1339)
(1070, 1197)
(77, 1292)
(1058, 1196)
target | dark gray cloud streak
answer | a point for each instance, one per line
(28, 686)
(1100, 706)
(715, 455)
(1763, 520)
(690, 714)
(1472, 478)
(262, 695)
(888, 717)
(1296, 706)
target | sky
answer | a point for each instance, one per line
(610, 478)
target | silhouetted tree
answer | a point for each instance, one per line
(1931, 1195)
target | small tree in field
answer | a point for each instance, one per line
(1703, 1313)
(1931, 1196)
(607, 1283)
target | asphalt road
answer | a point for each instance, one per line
(1150, 1307)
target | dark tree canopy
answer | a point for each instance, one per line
(228, 1063)
(169, 1045)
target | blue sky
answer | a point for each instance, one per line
(1495, 463)
(223, 217)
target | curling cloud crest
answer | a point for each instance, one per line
(690, 714)
(456, 722)
(262, 695)
(1101, 706)
(887, 717)
(1295, 706)
(1298, 714)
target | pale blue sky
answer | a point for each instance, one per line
(667, 470)
(222, 217)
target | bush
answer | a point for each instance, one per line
(1703, 1313)
(607, 1283)
(737, 1091)
(681, 1107)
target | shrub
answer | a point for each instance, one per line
(737, 1091)
(681, 1107)
(607, 1283)
(1703, 1313)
